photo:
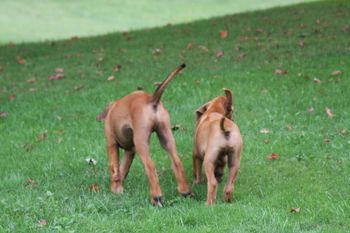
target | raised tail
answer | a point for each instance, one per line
(159, 91)
(222, 127)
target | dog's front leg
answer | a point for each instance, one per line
(141, 141)
(116, 181)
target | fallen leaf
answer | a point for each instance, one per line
(273, 156)
(280, 71)
(336, 72)
(78, 87)
(189, 46)
(326, 140)
(42, 136)
(259, 30)
(91, 161)
(59, 70)
(265, 131)
(202, 47)
(111, 78)
(117, 68)
(223, 34)
(29, 181)
(295, 210)
(310, 109)
(28, 147)
(343, 132)
(94, 188)
(42, 222)
(219, 54)
(56, 76)
(12, 97)
(156, 51)
(289, 127)
(3, 114)
(316, 80)
(329, 112)
(32, 80)
(20, 60)
(318, 21)
(301, 43)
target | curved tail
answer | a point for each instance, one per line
(222, 127)
(159, 91)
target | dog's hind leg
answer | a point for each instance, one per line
(124, 168)
(113, 153)
(167, 141)
(233, 164)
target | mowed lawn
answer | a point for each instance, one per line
(285, 66)
(37, 20)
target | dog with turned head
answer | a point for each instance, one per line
(129, 123)
(217, 141)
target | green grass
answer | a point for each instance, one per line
(312, 171)
(38, 20)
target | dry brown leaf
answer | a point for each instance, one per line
(31, 80)
(259, 30)
(310, 109)
(316, 80)
(336, 72)
(273, 156)
(3, 114)
(29, 181)
(289, 127)
(111, 78)
(223, 34)
(94, 188)
(295, 210)
(329, 112)
(219, 53)
(42, 222)
(301, 43)
(202, 47)
(156, 51)
(42, 136)
(264, 131)
(56, 76)
(20, 60)
(189, 46)
(326, 140)
(28, 147)
(59, 70)
(12, 97)
(117, 68)
(280, 71)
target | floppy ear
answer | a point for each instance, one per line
(200, 111)
(102, 116)
(228, 102)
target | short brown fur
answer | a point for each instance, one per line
(217, 141)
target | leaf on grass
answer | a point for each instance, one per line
(310, 109)
(3, 114)
(42, 136)
(91, 161)
(156, 51)
(326, 140)
(94, 188)
(59, 70)
(264, 131)
(301, 43)
(111, 78)
(55, 76)
(281, 71)
(295, 210)
(336, 72)
(117, 68)
(223, 34)
(289, 127)
(343, 132)
(259, 30)
(329, 112)
(203, 48)
(20, 60)
(12, 97)
(29, 181)
(219, 53)
(31, 80)
(316, 80)
(28, 147)
(273, 156)
(42, 222)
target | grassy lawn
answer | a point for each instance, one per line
(48, 127)
(38, 20)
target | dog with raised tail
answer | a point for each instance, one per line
(217, 141)
(129, 123)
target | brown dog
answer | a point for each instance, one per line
(217, 140)
(129, 122)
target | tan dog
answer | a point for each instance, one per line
(217, 140)
(129, 122)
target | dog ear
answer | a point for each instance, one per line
(102, 116)
(200, 111)
(228, 103)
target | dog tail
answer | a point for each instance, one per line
(222, 127)
(159, 91)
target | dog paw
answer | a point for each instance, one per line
(157, 201)
(187, 194)
(117, 188)
(227, 197)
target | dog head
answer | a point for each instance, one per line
(220, 104)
